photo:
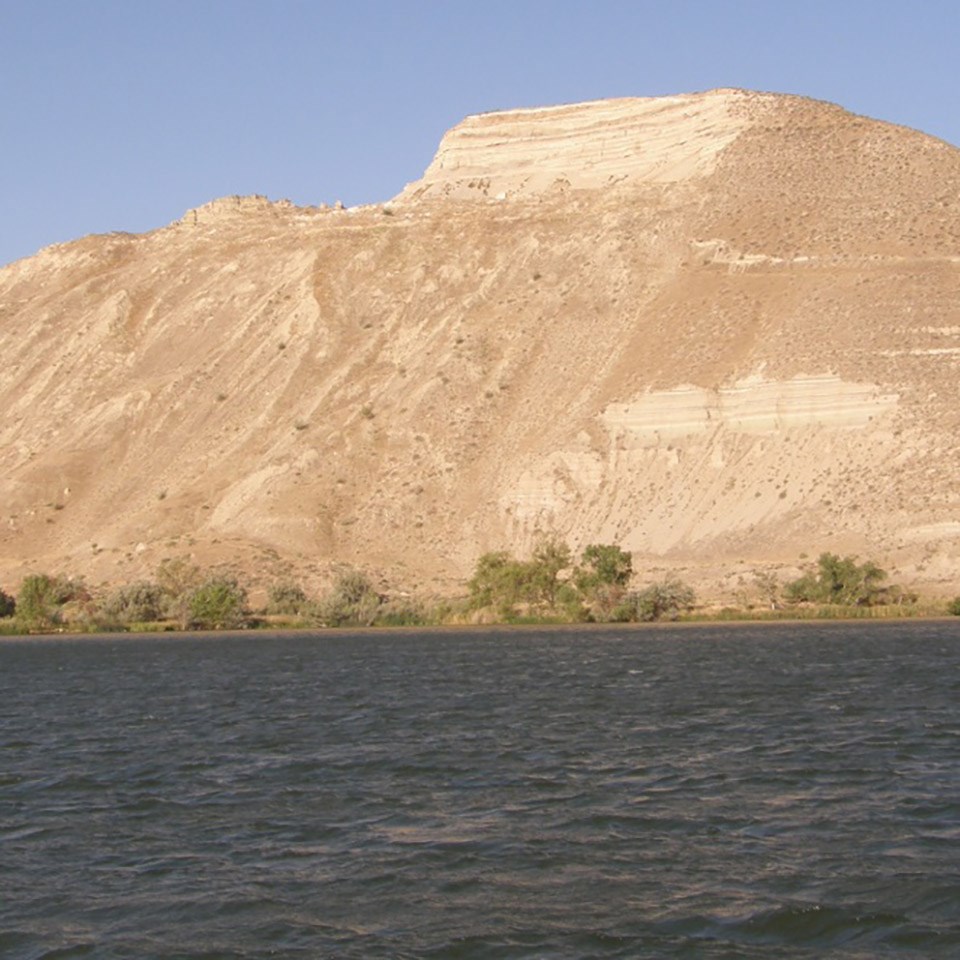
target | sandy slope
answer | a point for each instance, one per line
(721, 329)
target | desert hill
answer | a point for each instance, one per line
(720, 329)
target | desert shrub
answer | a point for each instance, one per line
(218, 602)
(954, 607)
(139, 602)
(353, 601)
(353, 587)
(286, 597)
(665, 600)
(8, 606)
(70, 590)
(895, 595)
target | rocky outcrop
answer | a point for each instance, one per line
(524, 153)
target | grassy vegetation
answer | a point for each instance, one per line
(819, 612)
(550, 587)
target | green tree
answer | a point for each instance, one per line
(40, 599)
(838, 580)
(603, 563)
(501, 581)
(484, 584)
(550, 556)
(218, 602)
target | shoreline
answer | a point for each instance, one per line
(476, 629)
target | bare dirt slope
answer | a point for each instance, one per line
(720, 329)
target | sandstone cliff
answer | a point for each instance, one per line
(720, 329)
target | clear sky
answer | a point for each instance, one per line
(122, 114)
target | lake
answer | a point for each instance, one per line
(696, 791)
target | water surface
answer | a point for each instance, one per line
(732, 791)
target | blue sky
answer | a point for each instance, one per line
(122, 114)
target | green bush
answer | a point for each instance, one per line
(218, 602)
(37, 606)
(498, 579)
(41, 598)
(954, 607)
(570, 603)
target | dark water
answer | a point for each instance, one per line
(697, 792)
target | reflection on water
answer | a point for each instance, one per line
(774, 791)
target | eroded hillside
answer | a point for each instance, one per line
(720, 329)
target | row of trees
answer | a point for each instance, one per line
(842, 581)
(180, 593)
(551, 584)
(184, 596)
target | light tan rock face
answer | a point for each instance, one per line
(720, 329)
(526, 153)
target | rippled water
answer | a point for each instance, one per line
(709, 792)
